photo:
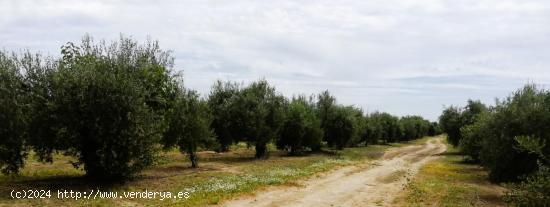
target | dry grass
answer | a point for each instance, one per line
(220, 176)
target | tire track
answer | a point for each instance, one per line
(374, 186)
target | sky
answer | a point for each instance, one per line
(398, 56)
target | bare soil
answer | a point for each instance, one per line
(375, 185)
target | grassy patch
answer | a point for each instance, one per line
(221, 176)
(451, 182)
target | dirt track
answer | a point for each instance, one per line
(376, 185)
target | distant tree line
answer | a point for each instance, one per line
(511, 139)
(115, 106)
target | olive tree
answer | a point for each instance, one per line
(534, 189)
(301, 128)
(414, 127)
(472, 136)
(25, 88)
(39, 73)
(359, 125)
(453, 119)
(451, 122)
(13, 128)
(340, 128)
(472, 111)
(189, 125)
(383, 127)
(434, 129)
(261, 109)
(524, 113)
(326, 104)
(227, 122)
(374, 132)
(109, 103)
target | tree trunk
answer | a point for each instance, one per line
(223, 148)
(292, 151)
(194, 159)
(261, 151)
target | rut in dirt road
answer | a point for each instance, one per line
(348, 186)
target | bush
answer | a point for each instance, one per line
(109, 103)
(189, 125)
(13, 149)
(301, 129)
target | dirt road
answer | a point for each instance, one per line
(376, 185)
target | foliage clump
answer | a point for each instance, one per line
(109, 103)
(509, 139)
(12, 114)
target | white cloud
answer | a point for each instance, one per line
(404, 57)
